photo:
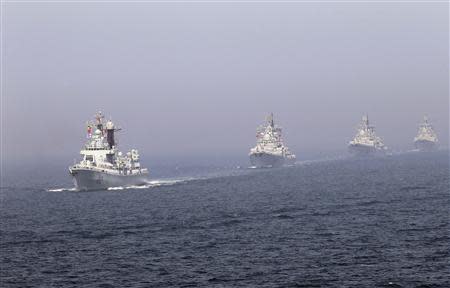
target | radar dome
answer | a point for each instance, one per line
(109, 125)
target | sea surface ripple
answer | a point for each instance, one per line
(339, 223)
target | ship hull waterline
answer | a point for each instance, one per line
(267, 160)
(359, 150)
(425, 146)
(90, 180)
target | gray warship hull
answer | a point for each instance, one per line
(261, 160)
(88, 180)
(425, 146)
(360, 150)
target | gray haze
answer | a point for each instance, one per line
(197, 78)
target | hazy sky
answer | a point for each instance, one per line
(197, 78)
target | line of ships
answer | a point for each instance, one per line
(103, 165)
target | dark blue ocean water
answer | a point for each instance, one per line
(335, 223)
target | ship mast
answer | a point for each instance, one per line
(99, 118)
(270, 120)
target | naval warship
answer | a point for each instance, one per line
(270, 150)
(366, 142)
(102, 165)
(426, 139)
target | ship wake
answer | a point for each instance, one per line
(62, 189)
(149, 184)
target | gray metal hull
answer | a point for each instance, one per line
(359, 150)
(268, 160)
(87, 180)
(425, 146)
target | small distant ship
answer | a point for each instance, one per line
(366, 142)
(426, 139)
(270, 150)
(103, 166)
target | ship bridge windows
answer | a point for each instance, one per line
(89, 158)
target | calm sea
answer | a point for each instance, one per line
(332, 223)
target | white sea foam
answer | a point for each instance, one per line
(62, 189)
(116, 188)
(150, 184)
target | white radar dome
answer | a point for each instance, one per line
(109, 125)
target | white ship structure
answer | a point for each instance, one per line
(366, 142)
(426, 139)
(270, 150)
(103, 166)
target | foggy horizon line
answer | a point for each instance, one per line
(306, 154)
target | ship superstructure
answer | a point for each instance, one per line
(426, 139)
(270, 150)
(103, 165)
(366, 142)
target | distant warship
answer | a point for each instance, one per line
(426, 139)
(366, 142)
(103, 166)
(270, 150)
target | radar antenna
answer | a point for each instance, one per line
(270, 120)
